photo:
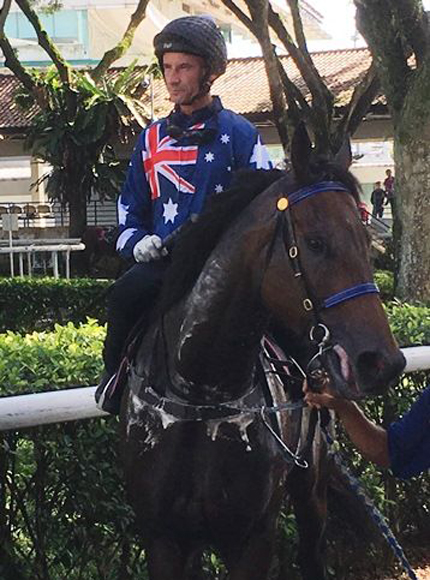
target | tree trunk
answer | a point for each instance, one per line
(77, 213)
(412, 190)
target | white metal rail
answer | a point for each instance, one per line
(30, 249)
(23, 411)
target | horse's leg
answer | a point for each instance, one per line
(166, 560)
(253, 561)
(308, 493)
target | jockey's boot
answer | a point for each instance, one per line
(108, 394)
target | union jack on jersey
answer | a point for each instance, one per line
(160, 155)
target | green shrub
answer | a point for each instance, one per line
(63, 511)
(28, 304)
(385, 281)
(43, 361)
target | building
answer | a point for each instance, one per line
(83, 30)
(342, 69)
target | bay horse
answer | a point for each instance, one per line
(205, 466)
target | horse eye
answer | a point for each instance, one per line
(316, 245)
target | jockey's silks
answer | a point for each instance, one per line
(170, 177)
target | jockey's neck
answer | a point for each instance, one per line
(199, 103)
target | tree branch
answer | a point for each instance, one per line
(413, 25)
(124, 44)
(259, 26)
(322, 98)
(297, 104)
(46, 43)
(240, 15)
(376, 22)
(361, 100)
(3, 14)
(298, 27)
(305, 65)
(13, 64)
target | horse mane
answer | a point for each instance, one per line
(197, 240)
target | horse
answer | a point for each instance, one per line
(282, 255)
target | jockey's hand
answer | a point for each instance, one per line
(149, 248)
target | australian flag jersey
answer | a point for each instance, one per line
(177, 163)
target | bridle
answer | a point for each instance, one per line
(319, 332)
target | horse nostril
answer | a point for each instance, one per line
(377, 371)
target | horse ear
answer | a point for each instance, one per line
(343, 157)
(301, 149)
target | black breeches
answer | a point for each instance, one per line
(130, 298)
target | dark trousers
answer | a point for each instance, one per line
(378, 211)
(130, 299)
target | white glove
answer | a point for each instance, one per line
(149, 248)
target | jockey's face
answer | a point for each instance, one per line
(183, 75)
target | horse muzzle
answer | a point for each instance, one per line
(370, 373)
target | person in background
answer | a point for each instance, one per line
(389, 188)
(377, 200)
(364, 213)
(404, 446)
(178, 163)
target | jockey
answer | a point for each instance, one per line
(178, 162)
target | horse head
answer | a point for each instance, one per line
(318, 285)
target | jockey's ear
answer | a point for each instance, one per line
(301, 150)
(344, 156)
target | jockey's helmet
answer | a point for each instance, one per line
(198, 35)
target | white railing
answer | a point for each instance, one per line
(23, 411)
(30, 249)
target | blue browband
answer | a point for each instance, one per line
(320, 187)
(353, 291)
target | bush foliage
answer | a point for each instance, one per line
(63, 512)
(27, 304)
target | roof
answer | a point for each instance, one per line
(12, 117)
(243, 88)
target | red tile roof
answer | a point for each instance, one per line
(243, 88)
(12, 117)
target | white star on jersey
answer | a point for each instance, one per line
(219, 188)
(170, 211)
(260, 156)
(225, 138)
(209, 157)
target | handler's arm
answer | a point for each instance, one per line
(370, 439)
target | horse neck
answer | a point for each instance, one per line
(218, 340)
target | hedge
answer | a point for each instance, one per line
(63, 512)
(27, 304)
